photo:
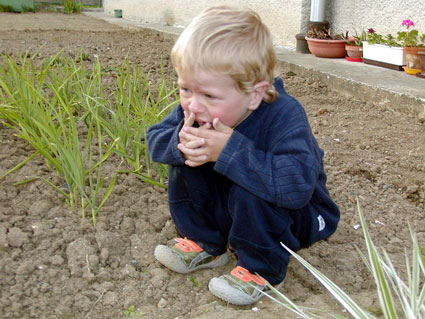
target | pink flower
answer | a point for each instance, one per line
(370, 30)
(408, 23)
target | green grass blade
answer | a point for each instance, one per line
(16, 167)
(384, 292)
(347, 302)
(286, 302)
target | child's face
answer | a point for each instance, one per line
(212, 95)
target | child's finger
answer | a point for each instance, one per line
(194, 163)
(192, 153)
(195, 143)
(189, 120)
(187, 136)
(219, 126)
(206, 126)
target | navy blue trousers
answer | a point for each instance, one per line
(211, 210)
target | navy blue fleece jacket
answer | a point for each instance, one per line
(272, 154)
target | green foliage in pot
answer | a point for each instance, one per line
(356, 39)
(375, 38)
(410, 38)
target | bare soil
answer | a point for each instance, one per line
(54, 264)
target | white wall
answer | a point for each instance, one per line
(285, 18)
(384, 16)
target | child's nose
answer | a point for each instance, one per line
(195, 106)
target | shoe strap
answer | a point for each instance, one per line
(244, 275)
(187, 246)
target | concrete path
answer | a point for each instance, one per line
(393, 89)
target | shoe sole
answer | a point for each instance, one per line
(170, 260)
(220, 288)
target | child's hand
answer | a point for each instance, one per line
(205, 145)
(188, 122)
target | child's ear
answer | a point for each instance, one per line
(257, 94)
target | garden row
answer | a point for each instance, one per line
(78, 120)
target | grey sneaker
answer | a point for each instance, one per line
(187, 256)
(240, 287)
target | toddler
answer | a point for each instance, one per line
(245, 168)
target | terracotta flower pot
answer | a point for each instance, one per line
(326, 48)
(354, 51)
(412, 60)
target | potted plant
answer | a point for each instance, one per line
(412, 43)
(354, 46)
(324, 45)
(383, 51)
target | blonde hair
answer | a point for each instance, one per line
(230, 41)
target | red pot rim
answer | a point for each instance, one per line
(353, 59)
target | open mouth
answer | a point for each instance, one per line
(201, 123)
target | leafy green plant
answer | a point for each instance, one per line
(47, 122)
(375, 38)
(138, 104)
(63, 111)
(391, 41)
(407, 38)
(410, 37)
(357, 39)
(71, 6)
(195, 282)
(132, 313)
(83, 56)
(398, 298)
(27, 9)
(6, 8)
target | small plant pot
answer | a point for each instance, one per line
(323, 48)
(302, 46)
(412, 60)
(118, 13)
(354, 51)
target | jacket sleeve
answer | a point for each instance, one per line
(163, 138)
(286, 174)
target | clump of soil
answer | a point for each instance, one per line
(54, 264)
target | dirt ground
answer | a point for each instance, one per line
(54, 264)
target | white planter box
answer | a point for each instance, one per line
(383, 53)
